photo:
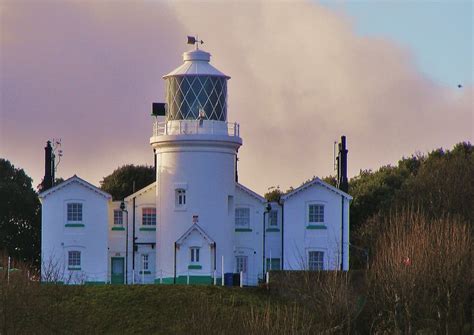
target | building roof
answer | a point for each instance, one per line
(196, 62)
(316, 181)
(141, 191)
(250, 192)
(194, 227)
(78, 180)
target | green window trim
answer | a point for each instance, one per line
(145, 272)
(319, 226)
(74, 268)
(74, 225)
(194, 267)
(273, 229)
(240, 230)
(118, 228)
(147, 228)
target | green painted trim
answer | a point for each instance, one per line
(316, 227)
(75, 225)
(273, 230)
(194, 267)
(145, 272)
(118, 228)
(94, 283)
(148, 228)
(73, 268)
(193, 280)
(239, 230)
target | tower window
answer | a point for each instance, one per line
(74, 260)
(180, 197)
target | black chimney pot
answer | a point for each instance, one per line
(342, 182)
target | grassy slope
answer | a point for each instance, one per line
(136, 309)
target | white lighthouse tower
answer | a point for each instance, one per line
(196, 151)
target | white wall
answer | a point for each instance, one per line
(298, 240)
(250, 243)
(91, 240)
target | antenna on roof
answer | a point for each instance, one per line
(195, 40)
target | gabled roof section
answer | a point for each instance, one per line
(194, 227)
(72, 180)
(316, 181)
(138, 193)
(250, 192)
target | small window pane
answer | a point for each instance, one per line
(315, 260)
(316, 213)
(149, 216)
(145, 262)
(118, 217)
(194, 255)
(74, 212)
(180, 197)
(74, 259)
(273, 218)
(242, 217)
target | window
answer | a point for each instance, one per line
(194, 255)
(273, 219)
(149, 216)
(145, 262)
(241, 263)
(180, 197)
(315, 260)
(74, 212)
(118, 217)
(242, 217)
(273, 264)
(316, 213)
(74, 260)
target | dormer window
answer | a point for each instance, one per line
(316, 214)
(180, 198)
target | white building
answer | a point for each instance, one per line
(196, 223)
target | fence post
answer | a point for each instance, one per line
(241, 279)
(222, 279)
(8, 270)
(187, 278)
(161, 276)
(267, 278)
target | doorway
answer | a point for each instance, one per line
(117, 273)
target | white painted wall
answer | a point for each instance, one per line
(298, 240)
(203, 165)
(91, 240)
(250, 244)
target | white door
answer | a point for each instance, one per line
(241, 263)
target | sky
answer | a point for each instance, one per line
(385, 74)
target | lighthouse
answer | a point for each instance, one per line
(196, 152)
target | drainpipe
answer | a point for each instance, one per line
(133, 238)
(282, 236)
(342, 232)
(174, 278)
(267, 209)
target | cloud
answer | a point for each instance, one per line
(301, 77)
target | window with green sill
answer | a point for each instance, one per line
(74, 260)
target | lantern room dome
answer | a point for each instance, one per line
(196, 62)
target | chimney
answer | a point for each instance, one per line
(342, 182)
(48, 167)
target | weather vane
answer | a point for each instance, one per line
(195, 40)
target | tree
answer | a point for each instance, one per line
(120, 183)
(19, 214)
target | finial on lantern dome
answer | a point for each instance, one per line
(195, 41)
